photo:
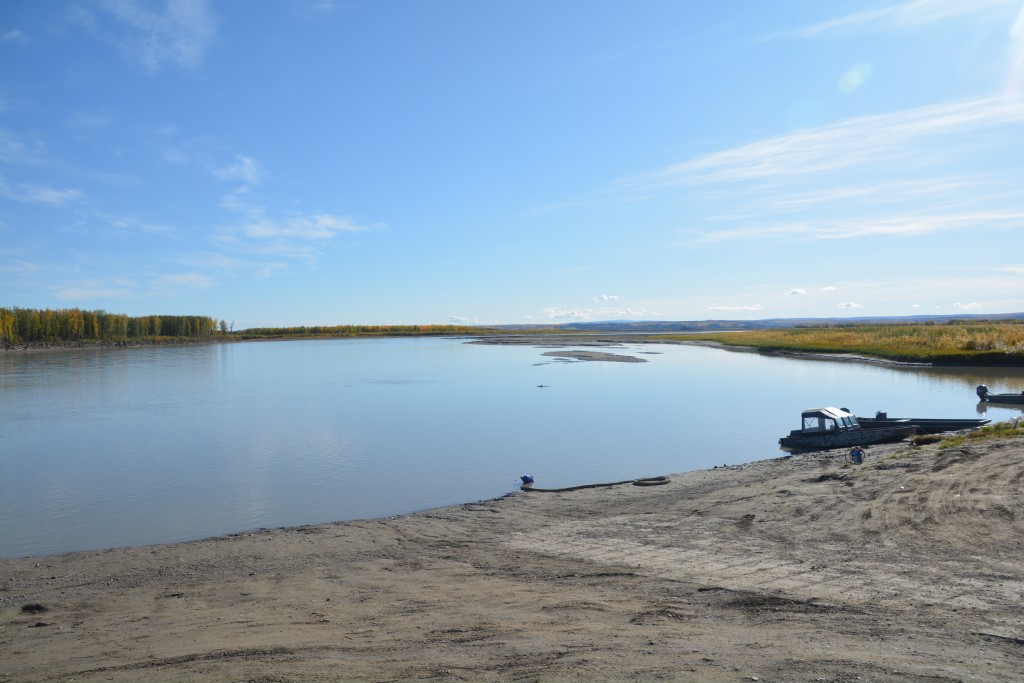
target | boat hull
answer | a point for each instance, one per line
(1004, 398)
(823, 441)
(924, 425)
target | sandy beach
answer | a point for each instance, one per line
(907, 568)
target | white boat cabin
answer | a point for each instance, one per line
(815, 420)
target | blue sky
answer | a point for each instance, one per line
(544, 161)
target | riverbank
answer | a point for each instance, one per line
(794, 569)
(559, 340)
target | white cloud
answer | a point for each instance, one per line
(798, 290)
(753, 307)
(19, 268)
(41, 194)
(910, 172)
(895, 225)
(180, 34)
(15, 149)
(606, 297)
(130, 224)
(235, 201)
(313, 227)
(187, 280)
(853, 142)
(620, 312)
(903, 16)
(799, 199)
(594, 313)
(90, 290)
(554, 312)
(967, 307)
(830, 288)
(462, 320)
(850, 304)
(245, 169)
(13, 36)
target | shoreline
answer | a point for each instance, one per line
(793, 568)
(539, 340)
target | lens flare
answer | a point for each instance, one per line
(856, 76)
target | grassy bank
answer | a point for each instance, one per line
(952, 344)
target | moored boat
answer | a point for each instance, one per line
(925, 425)
(985, 395)
(825, 428)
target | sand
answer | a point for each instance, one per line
(907, 568)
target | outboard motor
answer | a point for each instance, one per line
(982, 391)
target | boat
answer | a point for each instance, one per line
(985, 395)
(825, 428)
(925, 425)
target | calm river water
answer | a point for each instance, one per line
(115, 447)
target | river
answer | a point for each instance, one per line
(115, 447)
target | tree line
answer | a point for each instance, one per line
(70, 325)
(73, 325)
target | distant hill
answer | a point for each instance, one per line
(770, 323)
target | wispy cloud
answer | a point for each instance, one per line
(13, 36)
(295, 236)
(16, 149)
(19, 268)
(131, 224)
(750, 307)
(315, 227)
(195, 280)
(555, 312)
(41, 194)
(921, 171)
(180, 34)
(244, 169)
(903, 16)
(463, 320)
(90, 289)
(799, 199)
(894, 159)
(855, 142)
(895, 226)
